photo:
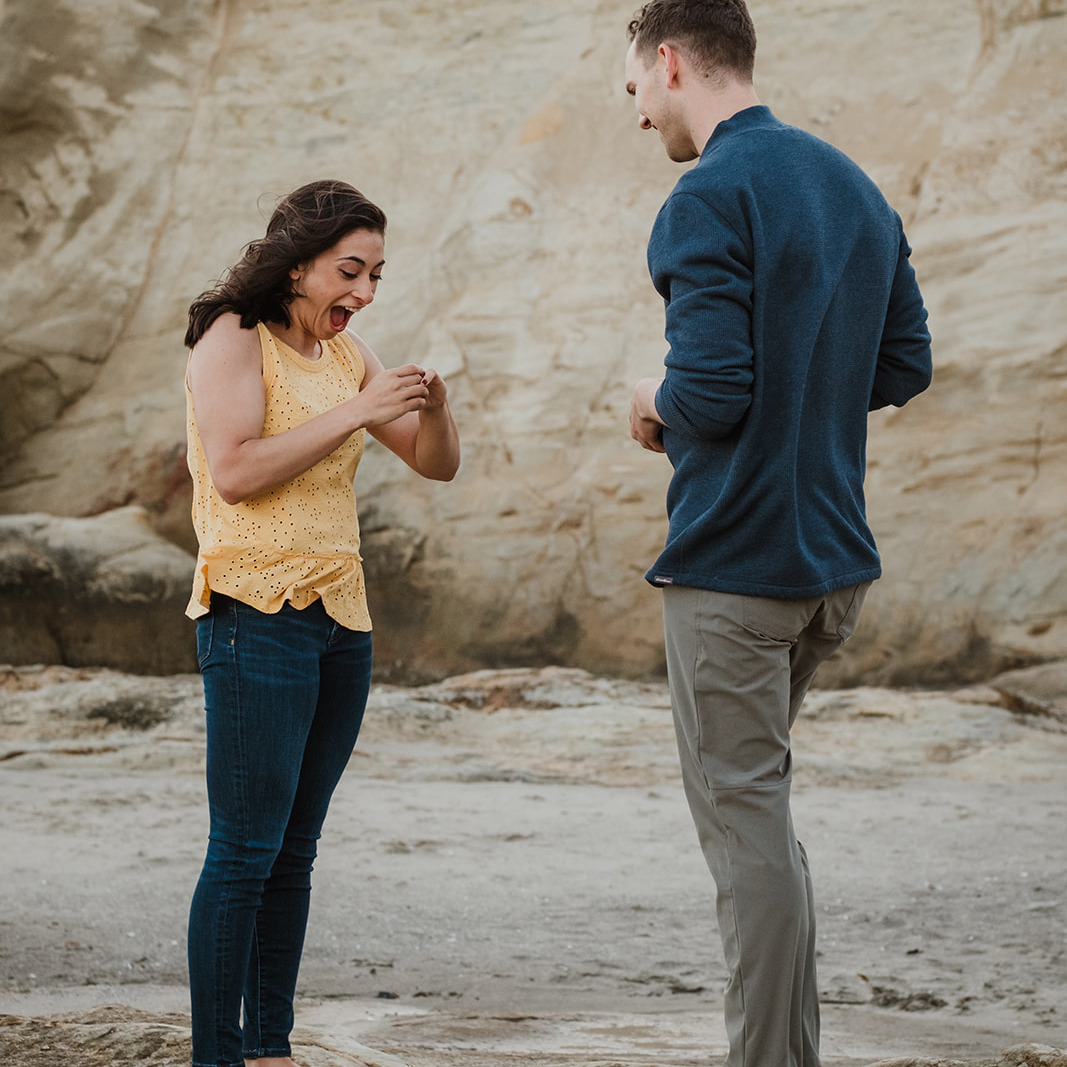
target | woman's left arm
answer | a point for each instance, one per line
(426, 440)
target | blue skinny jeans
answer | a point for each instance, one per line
(284, 696)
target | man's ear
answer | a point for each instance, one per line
(671, 64)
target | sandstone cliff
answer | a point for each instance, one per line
(143, 143)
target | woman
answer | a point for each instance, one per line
(279, 397)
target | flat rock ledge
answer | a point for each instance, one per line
(1018, 1056)
(117, 1036)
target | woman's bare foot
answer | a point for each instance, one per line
(270, 1061)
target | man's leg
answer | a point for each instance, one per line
(730, 662)
(831, 626)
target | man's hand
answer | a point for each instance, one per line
(646, 427)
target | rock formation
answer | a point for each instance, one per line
(106, 591)
(142, 144)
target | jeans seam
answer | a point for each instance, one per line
(258, 979)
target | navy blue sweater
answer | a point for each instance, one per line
(791, 311)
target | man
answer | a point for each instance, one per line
(791, 311)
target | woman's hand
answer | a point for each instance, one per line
(389, 394)
(424, 435)
(436, 393)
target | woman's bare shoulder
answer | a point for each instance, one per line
(228, 326)
(227, 353)
(226, 334)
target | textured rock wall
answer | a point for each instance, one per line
(99, 592)
(142, 146)
(96, 102)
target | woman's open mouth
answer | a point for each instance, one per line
(339, 317)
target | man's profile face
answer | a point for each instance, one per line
(638, 77)
(656, 107)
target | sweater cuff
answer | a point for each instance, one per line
(709, 427)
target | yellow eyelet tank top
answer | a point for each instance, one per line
(299, 541)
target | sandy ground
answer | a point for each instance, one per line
(509, 875)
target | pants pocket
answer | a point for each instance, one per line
(205, 638)
(777, 620)
(851, 617)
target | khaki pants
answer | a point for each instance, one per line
(739, 667)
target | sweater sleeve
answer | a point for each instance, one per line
(904, 362)
(703, 271)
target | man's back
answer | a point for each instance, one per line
(791, 311)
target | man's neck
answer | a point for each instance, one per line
(718, 105)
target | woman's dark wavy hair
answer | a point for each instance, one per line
(305, 223)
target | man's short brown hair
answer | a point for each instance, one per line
(717, 36)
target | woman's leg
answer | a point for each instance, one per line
(261, 685)
(344, 682)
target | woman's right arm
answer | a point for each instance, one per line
(229, 399)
